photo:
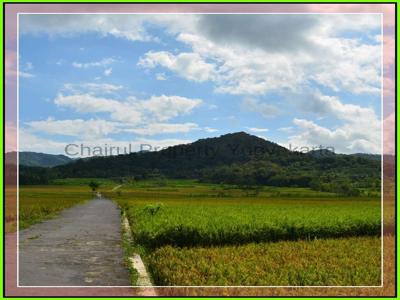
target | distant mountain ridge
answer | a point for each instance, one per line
(184, 160)
(37, 159)
(236, 158)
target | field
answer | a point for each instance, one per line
(327, 262)
(210, 222)
(38, 203)
(200, 234)
(191, 233)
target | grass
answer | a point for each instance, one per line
(38, 203)
(320, 261)
(83, 182)
(190, 233)
(128, 249)
(388, 289)
(328, 262)
(194, 214)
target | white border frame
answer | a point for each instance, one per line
(194, 286)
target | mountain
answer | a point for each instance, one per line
(236, 158)
(178, 161)
(35, 159)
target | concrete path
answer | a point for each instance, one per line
(81, 247)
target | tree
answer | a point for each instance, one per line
(94, 185)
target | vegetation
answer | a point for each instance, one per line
(35, 159)
(38, 203)
(192, 233)
(237, 221)
(108, 183)
(329, 262)
(94, 185)
(199, 233)
(236, 159)
(34, 175)
(43, 202)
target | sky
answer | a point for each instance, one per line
(300, 80)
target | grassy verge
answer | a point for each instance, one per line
(129, 250)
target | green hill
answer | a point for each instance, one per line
(236, 158)
(36, 159)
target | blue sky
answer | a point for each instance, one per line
(299, 80)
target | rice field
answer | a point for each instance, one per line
(327, 262)
(224, 222)
(190, 233)
(199, 234)
(38, 203)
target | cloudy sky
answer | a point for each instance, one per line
(295, 79)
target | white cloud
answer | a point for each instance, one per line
(129, 27)
(163, 128)
(210, 130)
(26, 75)
(164, 107)
(29, 141)
(245, 54)
(78, 127)
(97, 128)
(155, 109)
(92, 88)
(237, 60)
(101, 63)
(346, 139)
(286, 129)
(349, 65)
(240, 61)
(161, 76)
(254, 129)
(265, 109)
(331, 105)
(241, 71)
(86, 103)
(107, 72)
(339, 23)
(187, 65)
(360, 130)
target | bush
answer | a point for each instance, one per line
(94, 185)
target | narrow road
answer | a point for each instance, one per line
(80, 247)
